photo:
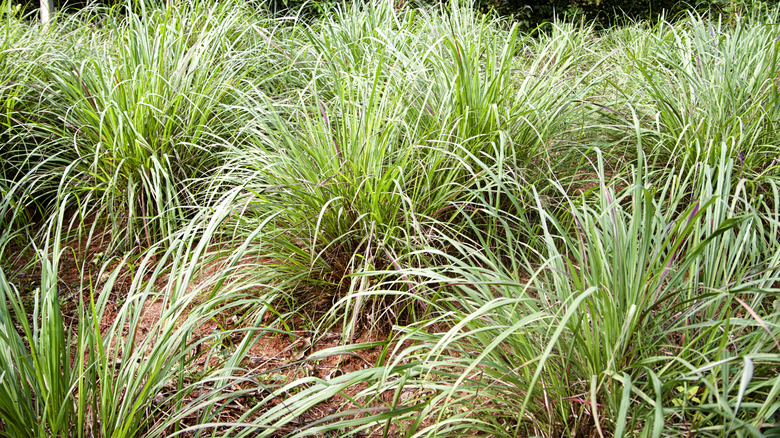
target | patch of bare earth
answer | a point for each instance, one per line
(275, 359)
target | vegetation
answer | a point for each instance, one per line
(389, 220)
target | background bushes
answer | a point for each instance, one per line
(529, 13)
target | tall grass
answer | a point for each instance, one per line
(559, 234)
(710, 84)
(619, 330)
(382, 145)
(149, 370)
(130, 129)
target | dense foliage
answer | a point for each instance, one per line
(570, 233)
(528, 13)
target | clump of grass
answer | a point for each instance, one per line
(381, 145)
(711, 84)
(131, 129)
(618, 328)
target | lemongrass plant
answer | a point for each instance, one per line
(135, 123)
(620, 329)
(20, 44)
(713, 85)
(381, 142)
